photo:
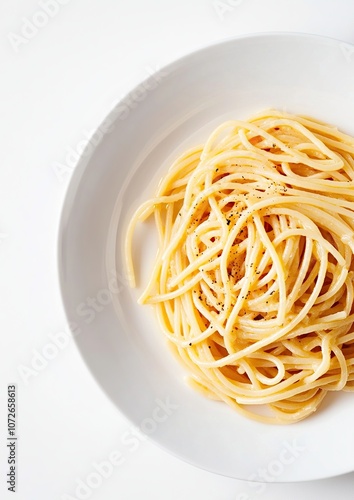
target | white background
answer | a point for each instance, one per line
(56, 85)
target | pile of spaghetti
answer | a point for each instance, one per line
(253, 281)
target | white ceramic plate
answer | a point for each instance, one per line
(119, 340)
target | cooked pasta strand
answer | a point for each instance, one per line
(253, 280)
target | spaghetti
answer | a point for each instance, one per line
(253, 281)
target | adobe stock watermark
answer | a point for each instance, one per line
(289, 453)
(41, 358)
(91, 306)
(130, 442)
(30, 27)
(224, 7)
(348, 51)
(91, 139)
